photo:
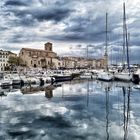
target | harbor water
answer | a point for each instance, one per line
(76, 110)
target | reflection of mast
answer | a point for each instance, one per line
(107, 112)
(87, 92)
(126, 110)
(62, 91)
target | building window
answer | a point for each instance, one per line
(38, 62)
(29, 53)
(22, 53)
(31, 62)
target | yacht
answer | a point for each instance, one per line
(5, 80)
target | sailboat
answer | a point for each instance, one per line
(124, 75)
(106, 76)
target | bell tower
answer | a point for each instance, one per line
(48, 47)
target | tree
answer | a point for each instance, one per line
(15, 61)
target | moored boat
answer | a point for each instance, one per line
(136, 77)
(6, 80)
(105, 76)
(123, 76)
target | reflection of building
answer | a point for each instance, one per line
(4, 57)
(49, 91)
(39, 58)
(31, 90)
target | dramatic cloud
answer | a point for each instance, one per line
(15, 3)
(70, 24)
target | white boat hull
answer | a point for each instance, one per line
(5, 83)
(105, 76)
(123, 76)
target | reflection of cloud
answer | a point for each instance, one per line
(35, 116)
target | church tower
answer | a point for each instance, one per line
(48, 47)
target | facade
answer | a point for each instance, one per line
(101, 63)
(79, 62)
(39, 58)
(4, 57)
(68, 62)
(46, 58)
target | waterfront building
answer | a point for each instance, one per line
(68, 62)
(33, 58)
(101, 63)
(77, 62)
(39, 58)
(4, 57)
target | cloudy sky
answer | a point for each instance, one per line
(71, 25)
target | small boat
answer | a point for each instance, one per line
(6, 81)
(33, 80)
(61, 78)
(16, 80)
(136, 77)
(123, 76)
(86, 75)
(105, 76)
(24, 79)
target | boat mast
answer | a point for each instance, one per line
(106, 42)
(125, 37)
(123, 55)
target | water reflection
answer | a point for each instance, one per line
(49, 91)
(77, 110)
(107, 89)
(126, 95)
(88, 92)
(36, 89)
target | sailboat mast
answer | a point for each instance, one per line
(126, 38)
(106, 33)
(124, 44)
(106, 42)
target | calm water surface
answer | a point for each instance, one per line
(77, 110)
